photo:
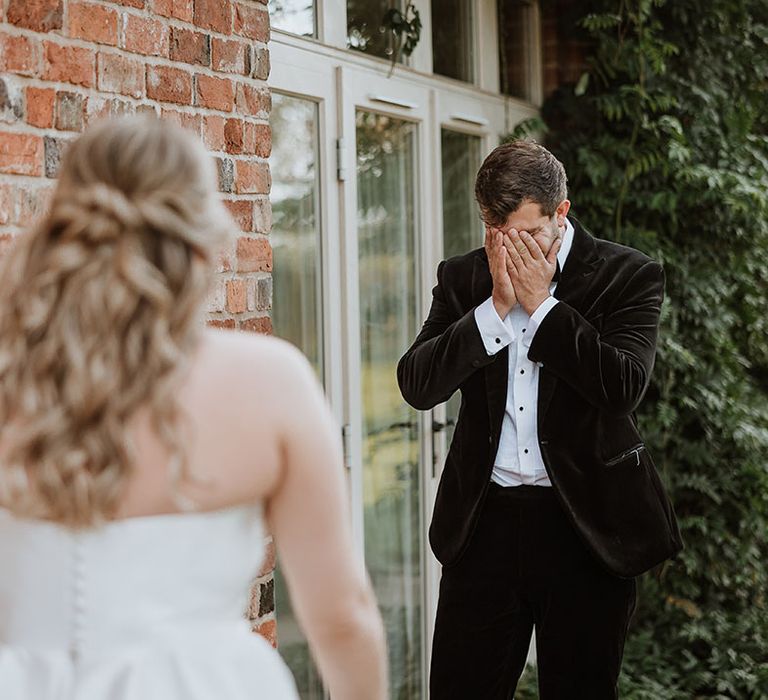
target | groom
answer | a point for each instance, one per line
(549, 504)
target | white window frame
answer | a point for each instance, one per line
(322, 69)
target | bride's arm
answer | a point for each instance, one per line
(308, 514)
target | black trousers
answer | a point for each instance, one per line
(525, 567)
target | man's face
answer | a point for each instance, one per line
(545, 230)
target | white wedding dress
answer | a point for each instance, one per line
(148, 608)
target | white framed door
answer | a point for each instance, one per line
(388, 151)
(393, 153)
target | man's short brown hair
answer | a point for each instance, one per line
(515, 173)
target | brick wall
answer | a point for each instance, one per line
(564, 49)
(201, 63)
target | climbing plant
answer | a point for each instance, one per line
(665, 141)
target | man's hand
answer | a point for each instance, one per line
(504, 297)
(530, 271)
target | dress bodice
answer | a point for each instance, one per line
(93, 599)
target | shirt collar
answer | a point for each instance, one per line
(565, 248)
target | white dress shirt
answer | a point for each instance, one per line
(518, 459)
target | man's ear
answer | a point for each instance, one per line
(562, 211)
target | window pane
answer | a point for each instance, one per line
(515, 47)
(295, 16)
(386, 206)
(462, 229)
(364, 30)
(297, 305)
(452, 48)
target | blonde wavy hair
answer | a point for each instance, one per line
(100, 306)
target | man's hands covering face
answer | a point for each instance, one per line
(520, 270)
(530, 271)
(504, 297)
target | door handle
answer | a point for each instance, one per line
(438, 427)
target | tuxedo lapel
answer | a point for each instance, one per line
(496, 372)
(575, 278)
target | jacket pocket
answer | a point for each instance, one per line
(633, 452)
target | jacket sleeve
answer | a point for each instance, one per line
(447, 350)
(611, 369)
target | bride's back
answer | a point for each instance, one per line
(138, 450)
(235, 408)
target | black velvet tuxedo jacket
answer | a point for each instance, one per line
(597, 346)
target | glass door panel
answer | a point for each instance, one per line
(462, 228)
(391, 450)
(297, 310)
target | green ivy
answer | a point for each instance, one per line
(665, 141)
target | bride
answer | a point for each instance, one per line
(142, 456)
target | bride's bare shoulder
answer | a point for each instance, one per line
(252, 355)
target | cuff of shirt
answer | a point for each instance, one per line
(494, 333)
(537, 317)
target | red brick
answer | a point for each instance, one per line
(146, 36)
(252, 177)
(252, 22)
(6, 204)
(69, 64)
(120, 74)
(33, 203)
(40, 103)
(262, 215)
(213, 132)
(268, 565)
(230, 56)
(70, 111)
(214, 14)
(169, 85)
(138, 4)
(215, 93)
(228, 323)
(252, 101)
(38, 15)
(233, 136)
(224, 261)
(254, 255)
(261, 64)
(179, 9)
(100, 107)
(261, 324)
(18, 54)
(193, 122)
(190, 47)
(21, 154)
(92, 23)
(257, 139)
(242, 212)
(236, 296)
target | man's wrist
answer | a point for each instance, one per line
(502, 308)
(536, 302)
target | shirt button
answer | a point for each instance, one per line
(521, 408)
(523, 330)
(526, 451)
(476, 363)
(498, 340)
(522, 371)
